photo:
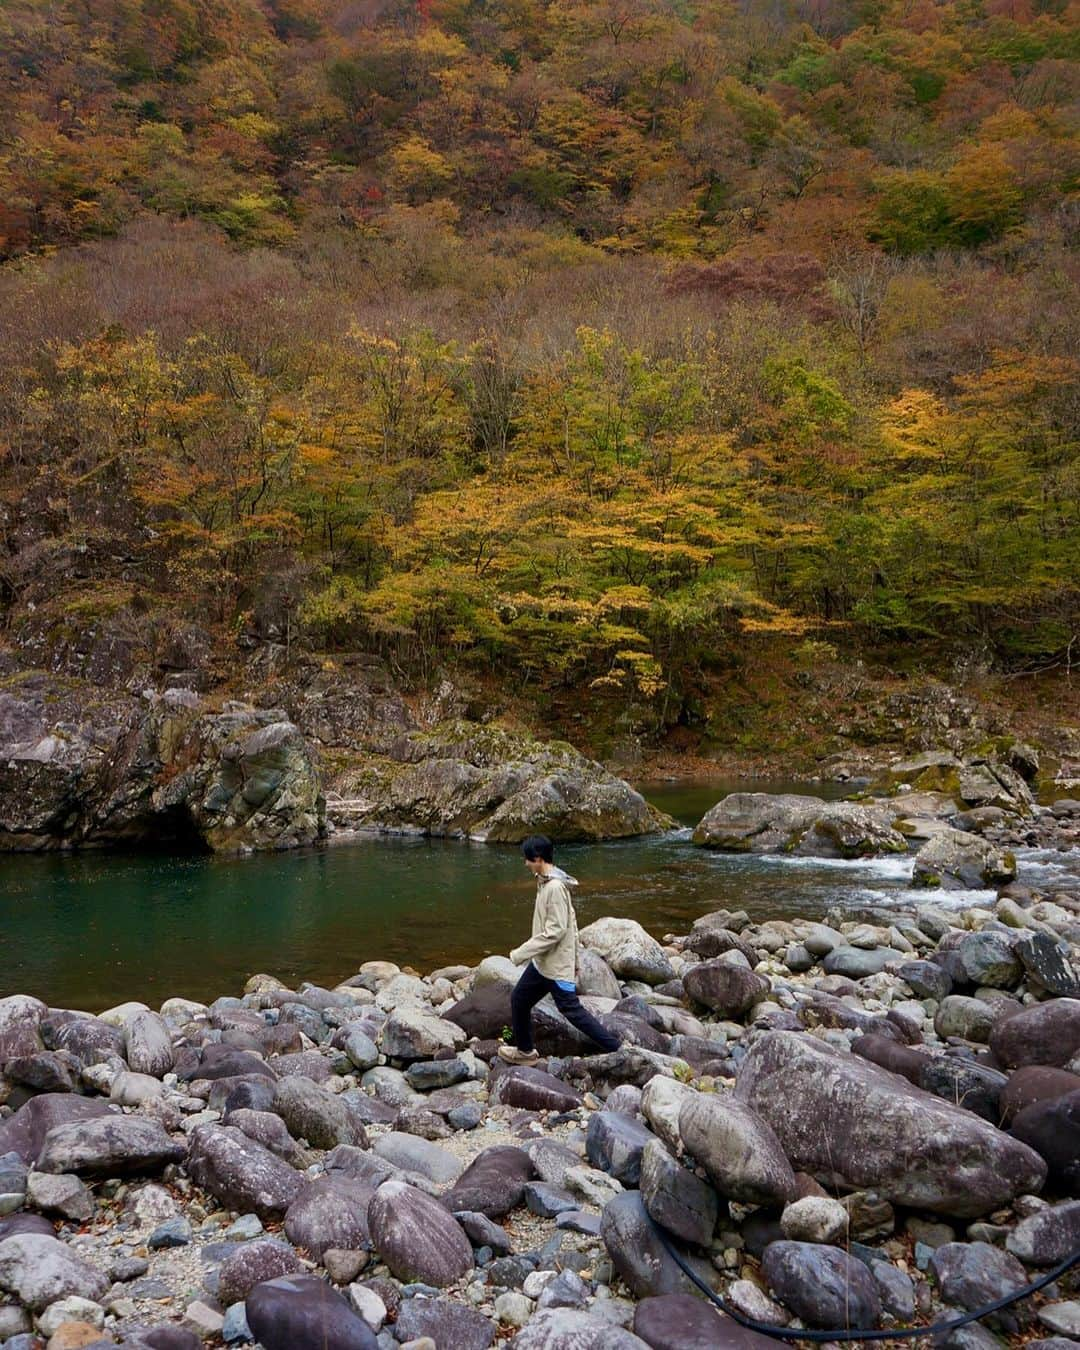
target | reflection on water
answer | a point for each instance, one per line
(90, 930)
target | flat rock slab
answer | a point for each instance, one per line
(684, 1322)
(569, 1329)
(413, 1154)
(836, 1114)
(302, 1312)
(533, 1090)
(450, 1325)
(493, 1183)
(109, 1146)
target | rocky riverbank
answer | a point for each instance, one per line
(83, 767)
(838, 1126)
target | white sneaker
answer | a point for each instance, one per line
(510, 1054)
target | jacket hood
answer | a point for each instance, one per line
(557, 874)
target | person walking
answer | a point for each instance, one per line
(551, 954)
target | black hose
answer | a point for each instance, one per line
(843, 1334)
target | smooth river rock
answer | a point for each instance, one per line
(1048, 1033)
(240, 1173)
(738, 1149)
(823, 1285)
(109, 1146)
(38, 1270)
(836, 1114)
(302, 1312)
(416, 1237)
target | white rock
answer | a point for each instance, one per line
(814, 1218)
(71, 1309)
(661, 1101)
(118, 1016)
(513, 1309)
(369, 1305)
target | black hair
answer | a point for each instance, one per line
(538, 846)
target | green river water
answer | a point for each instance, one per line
(91, 930)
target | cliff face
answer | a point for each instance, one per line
(82, 766)
(86, 767)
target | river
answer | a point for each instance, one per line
(91, 930)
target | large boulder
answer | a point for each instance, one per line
(240, 1173)
(760, 822)
(416, 1237)
(723, 987)
(314, 1113)
(615, 1141)
(835, 1114)
(109, 1146)
(740, 1152)
(489, 784)
(628, 950)
(25, 1132)
(450, 1325)
(38, 1270)
(82, 764)
(1048, 1033)
(301, 1312)
(330, 1211)
(415, 1033)
(955, 860)
(533, 1090)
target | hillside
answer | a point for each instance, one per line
(602, 355)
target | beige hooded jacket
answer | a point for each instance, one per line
(553, 946)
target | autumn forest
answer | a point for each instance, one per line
(576, 343)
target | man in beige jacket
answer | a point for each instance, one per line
(551, 954)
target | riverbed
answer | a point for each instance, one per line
(90, 930)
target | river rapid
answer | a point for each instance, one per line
(91, 930)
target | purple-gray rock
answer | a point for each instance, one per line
(636, 1250)
(25, 1132)
(533, 1090)
(1035, 1083)
(737, 1147)
(1047, 1236)
(724, 987)
(450, 1325)
(314, 1113)
(837, 1114)
(417, 1238)
(301, 1312)
(493, 1183)
(822, 1285)
(240, 1173)
(252, 1263)
(109, 1146)
(484, 1232)
(330, 1211)
(1052, 1129)
(675, 1197)
(683, 1322)
(971, 1274)
(1048, 1033)
(615, 1141)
